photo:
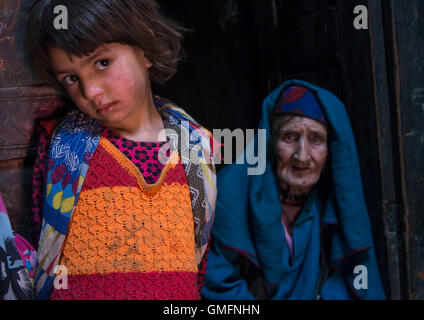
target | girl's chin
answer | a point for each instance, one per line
(110, 119)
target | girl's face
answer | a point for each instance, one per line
(302, 152)
(110, 84)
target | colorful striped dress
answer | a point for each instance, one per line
(131, 235)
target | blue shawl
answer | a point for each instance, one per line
(248, 222)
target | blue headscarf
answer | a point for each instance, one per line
(248, 222)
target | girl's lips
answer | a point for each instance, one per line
(105, 108)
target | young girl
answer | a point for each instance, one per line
(117, 222)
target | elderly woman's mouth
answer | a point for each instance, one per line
(301, 169)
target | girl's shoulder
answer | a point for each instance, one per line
(171, 109)
(44, 131)
(46, 127)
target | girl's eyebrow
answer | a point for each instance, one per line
(87, 60)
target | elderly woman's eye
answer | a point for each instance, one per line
(290, 137)
(317, 139)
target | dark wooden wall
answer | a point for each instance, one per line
(404, 38)
(236, 53)
(22, 102)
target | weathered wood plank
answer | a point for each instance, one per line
(408, 40)
(15, 68)
(20, 110)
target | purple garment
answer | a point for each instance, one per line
(288, 238)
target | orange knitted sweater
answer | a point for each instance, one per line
(128, 239)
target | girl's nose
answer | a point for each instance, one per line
(91, 89)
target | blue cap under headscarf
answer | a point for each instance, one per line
(300, 101)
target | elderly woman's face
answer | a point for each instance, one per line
(302, 152)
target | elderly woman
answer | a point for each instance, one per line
(301, 230)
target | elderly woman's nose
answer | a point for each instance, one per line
(303, 152)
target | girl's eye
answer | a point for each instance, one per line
(70, 80)
(102, 64)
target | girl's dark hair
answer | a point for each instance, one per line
(92, 23)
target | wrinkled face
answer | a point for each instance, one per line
(110, 84)
(302, 152)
